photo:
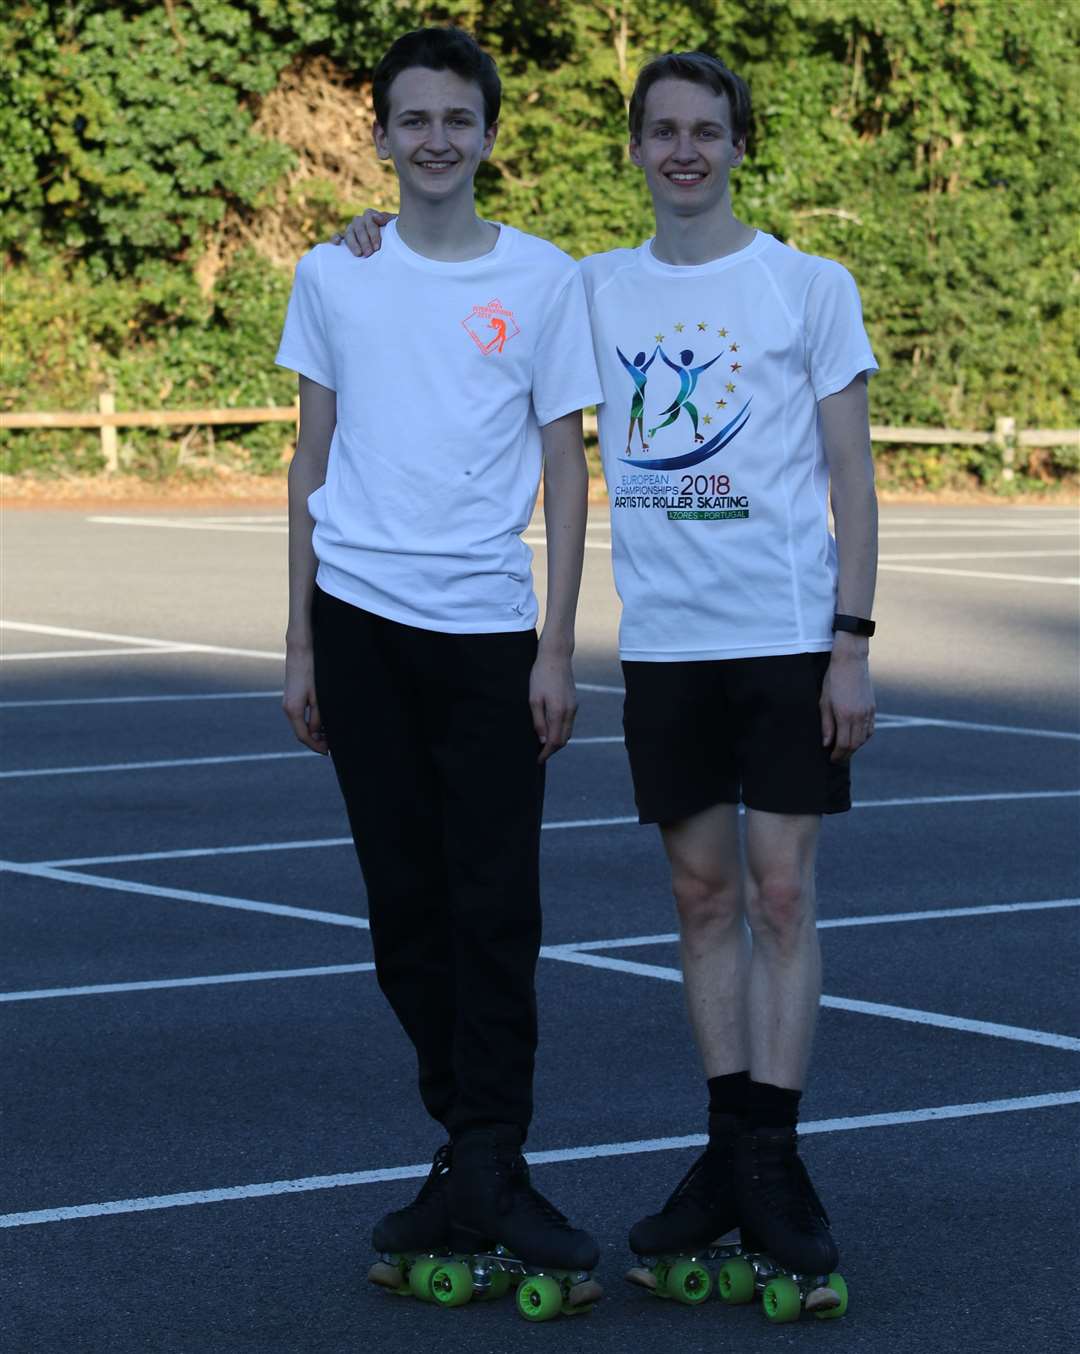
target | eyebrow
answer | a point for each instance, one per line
(701, 122)
(449, 112)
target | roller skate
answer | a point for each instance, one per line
(409, 1239)
(506, 1235)
(788, 1255)
(682, 1247)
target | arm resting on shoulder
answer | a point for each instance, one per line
(847, 700)
(318, 418)
(552, 696)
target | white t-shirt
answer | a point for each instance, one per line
(712, 445)
(444, 373)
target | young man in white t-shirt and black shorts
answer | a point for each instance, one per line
(735, 408)
(437, 380)
(745, 628)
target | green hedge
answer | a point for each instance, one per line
(931, 145)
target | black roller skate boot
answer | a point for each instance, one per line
(507, 1227)
(786, 1239)
(420, 1230)
(678, 1246)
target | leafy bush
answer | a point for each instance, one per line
(162, 164)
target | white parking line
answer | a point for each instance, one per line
(102, 767)
(175, 646)
(141, 700)
(980, 554)
(96, 881)
(46, 655)
(598, 1151)
(211, 980)
(978, 573)
(940, 1021)
(272, 526)
(831, 923)
(548, 952)
(626, 820)
(99, 767)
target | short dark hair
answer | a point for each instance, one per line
(438, 49)
(701, 69)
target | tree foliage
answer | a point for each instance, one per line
(930, 145)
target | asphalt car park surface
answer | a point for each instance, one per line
(206, 1102)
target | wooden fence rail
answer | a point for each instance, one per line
(1005, 434)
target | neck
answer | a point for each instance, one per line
(688, 240)
(447, 230)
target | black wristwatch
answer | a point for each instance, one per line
(855, 625)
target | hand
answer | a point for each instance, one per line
(847, 703)
(553, 702)
(363, 235)
(299, 703)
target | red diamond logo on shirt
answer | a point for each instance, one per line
(490, 327)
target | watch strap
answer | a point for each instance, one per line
(855, 625)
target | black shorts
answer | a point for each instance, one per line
(728, 731)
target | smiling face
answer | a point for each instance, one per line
(685, 148)
(435, 132)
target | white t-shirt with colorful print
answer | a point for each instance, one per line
(444, 374)
(712, 447)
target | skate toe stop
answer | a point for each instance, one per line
(822, 1300)
(641, 1277)
(582, 1293)
(386, 1276)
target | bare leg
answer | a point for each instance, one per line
(785, 970)
(706, 878)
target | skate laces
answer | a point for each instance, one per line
(785, 1185)
(698, 1185)
(436, 1181)
(519, 1184)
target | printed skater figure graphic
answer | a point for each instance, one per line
(688, 379)
(498, 342)
(637, 371)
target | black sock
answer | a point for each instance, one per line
(771, 1106)
(727, 1094)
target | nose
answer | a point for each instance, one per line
(436, 138)
(685, 150)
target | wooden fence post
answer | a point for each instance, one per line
(107, 405)
(1005, 438)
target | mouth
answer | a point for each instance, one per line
(436, 166)
(685, 178)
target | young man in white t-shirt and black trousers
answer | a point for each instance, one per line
(436, 380)
(744, 633)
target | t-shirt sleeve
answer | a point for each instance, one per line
(837, 347)
(304, 347)
(565, 376)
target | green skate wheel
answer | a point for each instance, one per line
(420, 1278)
(539, 1298)
(688, 1282)
(735, 1282)
(839, 1287)
(499, 1286)
(451, 1284)
(782, 1300)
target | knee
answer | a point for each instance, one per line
(705, 904)
(779, 907)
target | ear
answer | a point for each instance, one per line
(382, 146)
(739, 151)
(634, 149)
(489, 140)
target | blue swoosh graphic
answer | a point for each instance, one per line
(699, 454)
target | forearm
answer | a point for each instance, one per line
(318, 417)
(855, 517)
(566, 493)
(304, 479)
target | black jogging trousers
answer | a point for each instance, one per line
(434, 748)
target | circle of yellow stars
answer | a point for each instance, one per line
(733, 347)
